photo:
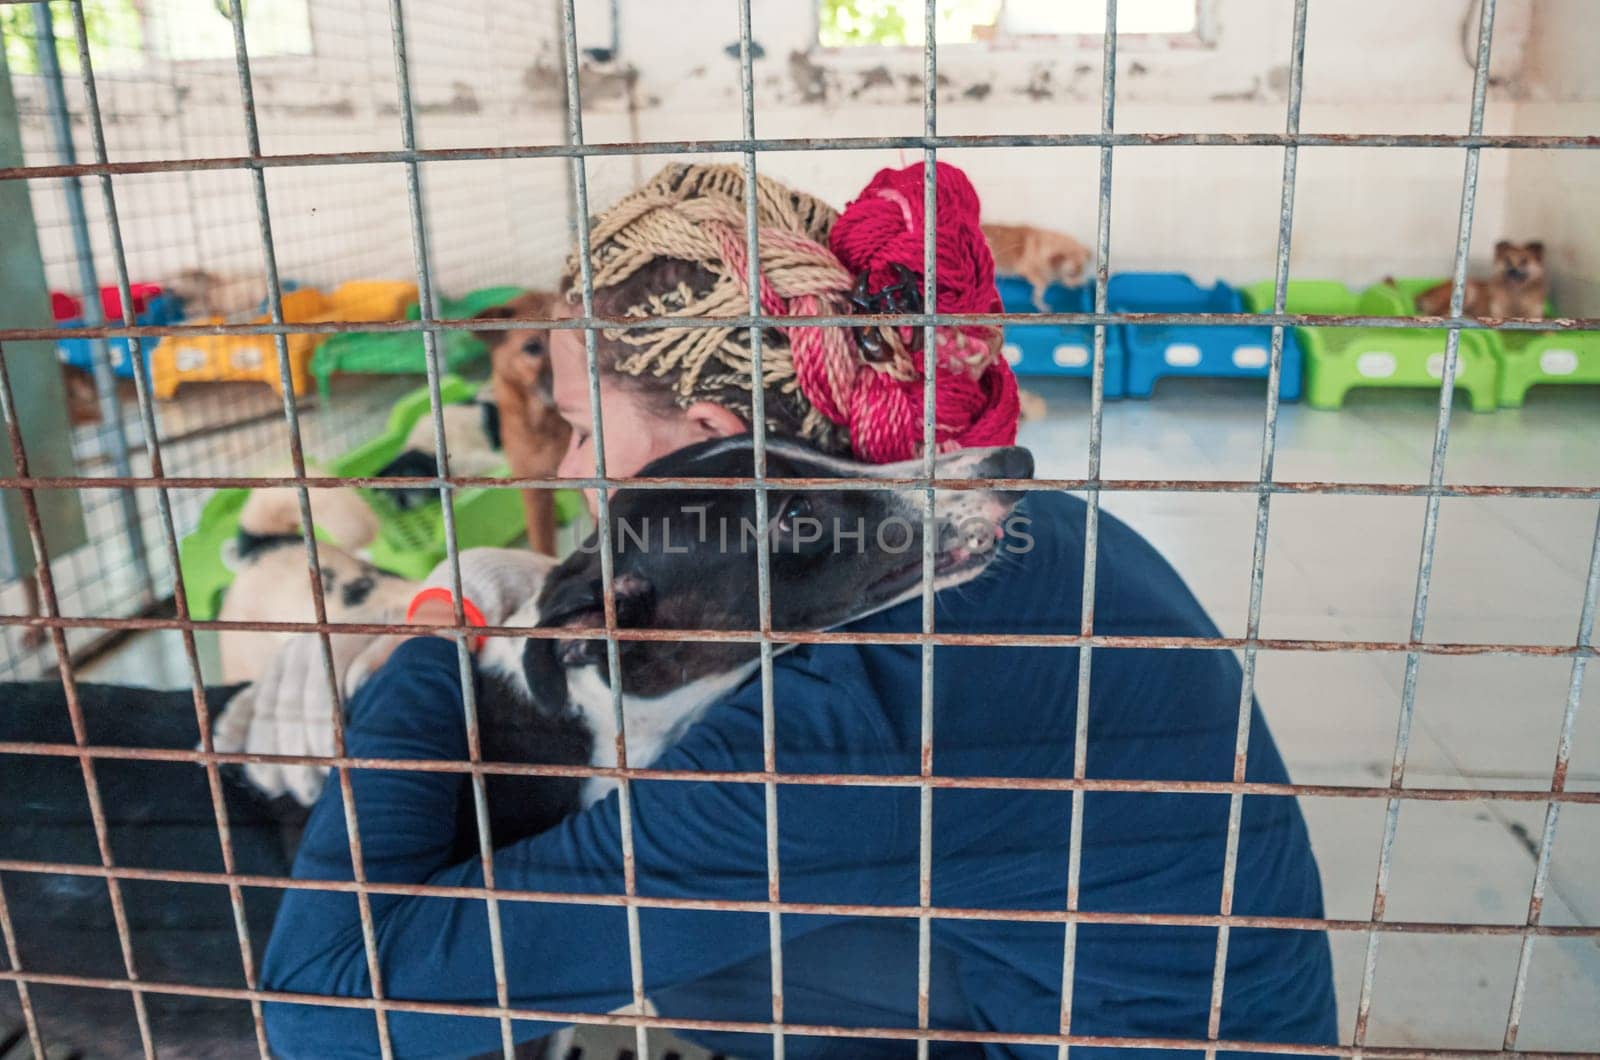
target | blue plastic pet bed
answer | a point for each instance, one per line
(159, 310)
(1153, 351)
(1059, 349)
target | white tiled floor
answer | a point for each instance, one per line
(1507, 570)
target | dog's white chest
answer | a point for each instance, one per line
(653, 725)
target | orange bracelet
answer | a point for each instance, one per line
(470, 610)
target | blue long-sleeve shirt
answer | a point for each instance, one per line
(998, 711)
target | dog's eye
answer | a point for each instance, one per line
(796, 509)
(534, 347)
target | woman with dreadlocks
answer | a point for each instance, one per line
(677, 248)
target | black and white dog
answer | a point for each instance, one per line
(686, 559)
(682, 559)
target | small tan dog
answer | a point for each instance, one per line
(1518, 286)
(268, 555)
(211, 294)
(533, 435)
(270, 574)
(1038, 255)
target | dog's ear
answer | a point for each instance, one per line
(1536, 248)
(491, 338)
(580, 603)
(567, 596)
(547, 680)
(636, 607)
(571, 599)
(1502, 248)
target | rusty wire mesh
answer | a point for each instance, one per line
(102, 173)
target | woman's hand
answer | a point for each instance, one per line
(290, 711)
(497, 582)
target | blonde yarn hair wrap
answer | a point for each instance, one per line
(696, 214)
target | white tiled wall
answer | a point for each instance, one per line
(490, 74)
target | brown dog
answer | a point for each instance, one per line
(1518, 287)
(83, 401)
(211, 294)
(1038, 255)
(532, 434)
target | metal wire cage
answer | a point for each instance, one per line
(149, 482)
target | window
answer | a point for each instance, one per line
(114, 28)
(1027, 18)
(203, 29)
(123, 34)
(846, 23)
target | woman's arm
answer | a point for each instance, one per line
(692, 840)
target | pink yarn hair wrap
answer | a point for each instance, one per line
(830, 383)
(975, 392)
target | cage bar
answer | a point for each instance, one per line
(8, 934)
(427, 310)
(1558, 783)
(578, 323)
(1091, 530)
(100, 353)
(818, 143)
(164, 509)
(1258, 555)
(903, 912)
(1430, 522)
(930, 360)
(582, 322)
(307, 523)
(1107, 485)
(585, 277)
(813, 1030)
(758, 425)
(887, 780)
(47, 598)
(1037, 640)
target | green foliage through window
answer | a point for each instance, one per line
(115, 29)
(898, 23)
(847, 23)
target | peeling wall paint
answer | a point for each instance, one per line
(544, 81)
(484, 73)
(1362, 213)
(1239, 55)
(481, 73)
(809, 80)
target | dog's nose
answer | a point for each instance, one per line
(1010, 462)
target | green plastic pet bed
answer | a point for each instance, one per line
(402, 352)
(1539, 358)
(1339, 360)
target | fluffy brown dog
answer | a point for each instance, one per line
(1038, 255)
(532, 435)
(1518, 287)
